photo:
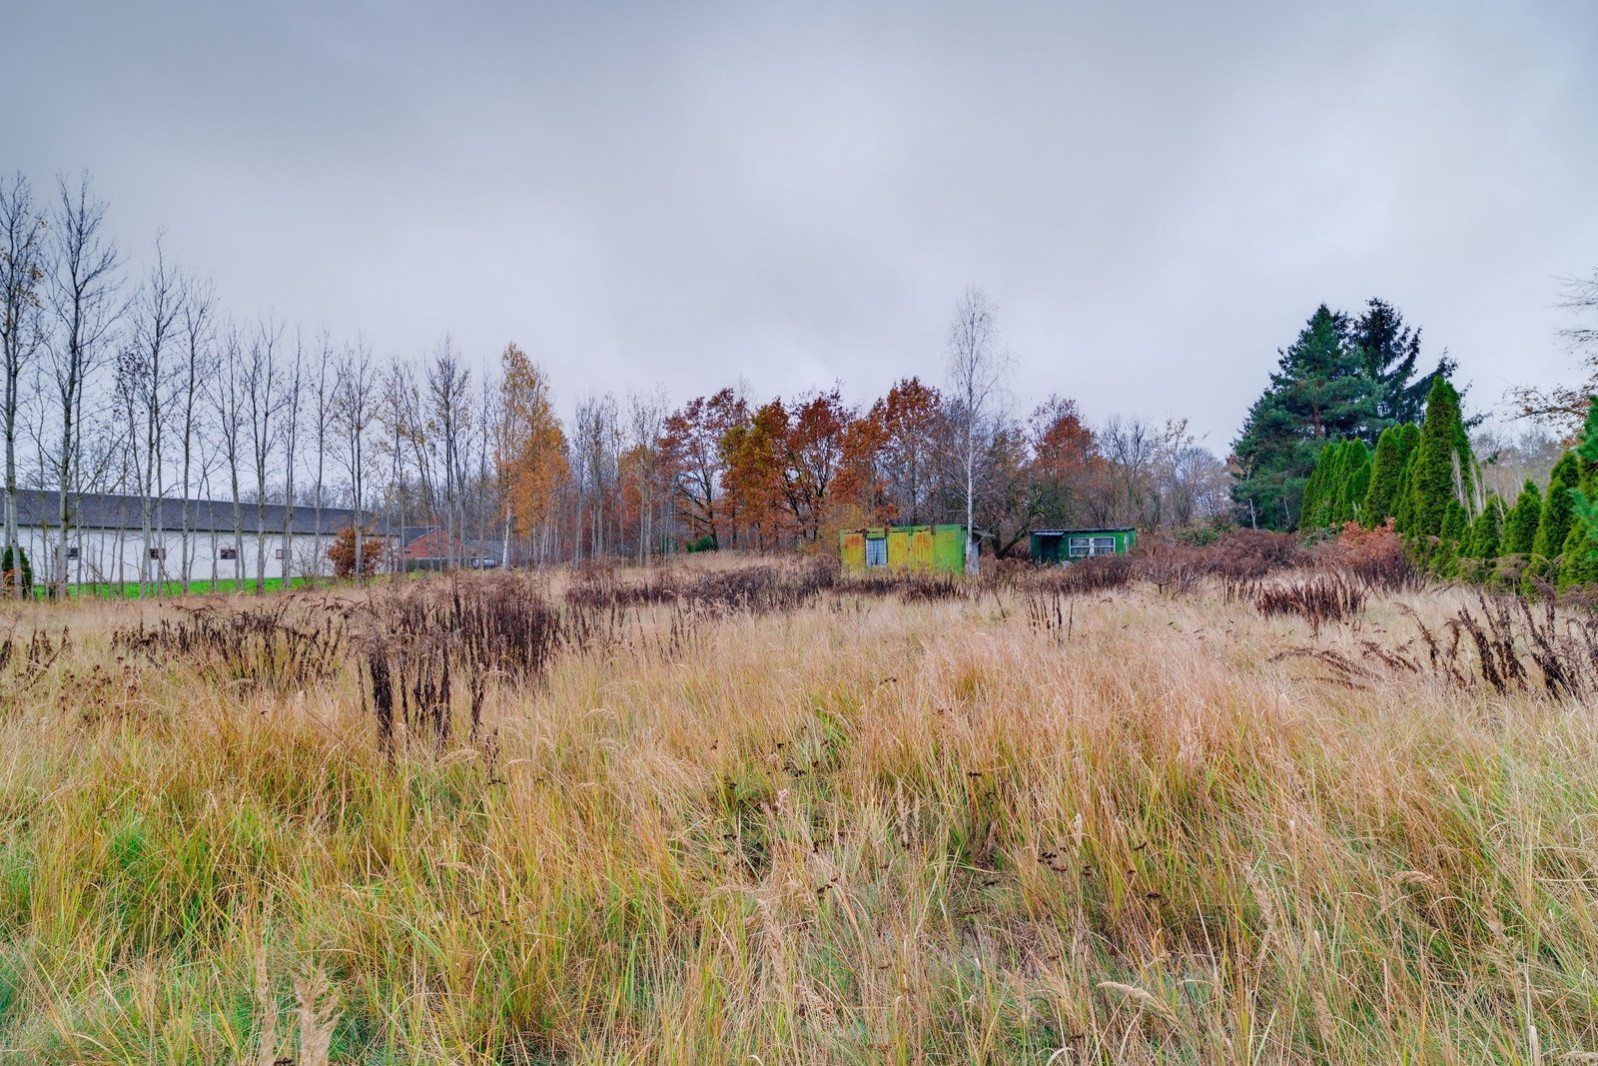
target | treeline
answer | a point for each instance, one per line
(1344, 378)
(138, 382)
(1424, 482)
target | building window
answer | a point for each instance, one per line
(158, 554)
(278, 554)
(876, 551)
(1082, 547)
(229, 553)
(72, 553)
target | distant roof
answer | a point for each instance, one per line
(1078, 532)
(101, 510)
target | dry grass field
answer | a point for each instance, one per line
(754, 813)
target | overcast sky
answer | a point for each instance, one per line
(1154, 196)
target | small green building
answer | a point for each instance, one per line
(940, 549)
(1069, 545)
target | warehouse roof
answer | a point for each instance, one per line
(100, 510)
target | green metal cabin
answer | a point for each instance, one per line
(1069, 545)
(935, 548)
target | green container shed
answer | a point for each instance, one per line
(1069, 545)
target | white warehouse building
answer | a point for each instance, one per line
(106, 540)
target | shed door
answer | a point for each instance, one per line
(876, 552)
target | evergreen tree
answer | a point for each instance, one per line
(1404, 508)
(1580, 565)
(1318, 486)
(1353, 482)
(13, 572)
(1389, 351)
(1578, 562)
(1455, 523)
(1393, 450)
(1319, 392)
(1443, 465)
(1520, 528)
(1553, 526)
(1486, 533)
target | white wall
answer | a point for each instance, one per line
(113, 555)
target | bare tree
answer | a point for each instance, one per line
(293, 391)
(227, 399)
(22, 273)
(355, 412)
(198, 367)
(262, 403)
(646, 417)
(322, 413)
(143, 377)
(449, 399)
(84, 300)
(977, 369)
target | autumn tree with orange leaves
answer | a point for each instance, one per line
(529, 451)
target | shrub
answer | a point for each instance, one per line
(342, 552)
(11, 572)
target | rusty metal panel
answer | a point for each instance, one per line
(921, 548)
(853, 547)
(898, 547)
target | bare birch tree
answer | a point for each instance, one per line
(199, 362)
(22, 273)
(322, 413)
(144, 368)
(227, 400)
(262, 403)
(83, 299)
(976, 370)
(293, 388)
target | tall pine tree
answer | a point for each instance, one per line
(1340, 380)
(1389, 351)
(1318, 393)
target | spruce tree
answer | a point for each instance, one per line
(1520, 527)
(1318, 393)
(1390, 350)
(1442, 456)
(1553, 525)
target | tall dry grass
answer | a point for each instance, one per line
(863, 826)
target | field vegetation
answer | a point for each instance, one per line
(1241, 802)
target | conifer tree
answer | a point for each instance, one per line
(1578, 561)
(1353, 482)
(1442, 472)
(1520, 527)
(1553, 525)
(1580, 565)
(1486, 533)
(1319, 392)
(1319, 486)
(1404, 505)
